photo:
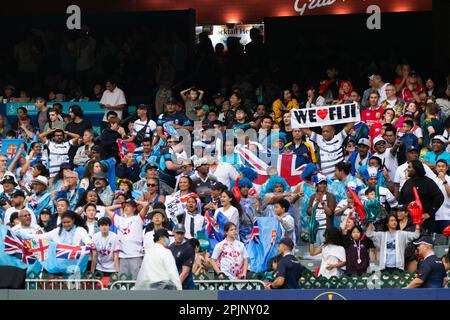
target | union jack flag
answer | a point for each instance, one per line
(255, 232)
(65, 251)
(211, 227)
(18, 247)
(285, 165)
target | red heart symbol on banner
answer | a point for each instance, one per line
(322, 113)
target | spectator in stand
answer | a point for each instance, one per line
(128, 168)
(443, 182)
(108, 138)
(192, 98)
(105, 249)
(356, 246)
(374, 111)
(113, 99)
(360, 156)
(330, 146)
(438, 153)
(431, 273)
(333, 253)
(230, 255)
(284, 104)
(69, 189)
(84, 152)
(392, 101)
(431, 125)
(55, 122)
(43, 113)
(77, 124)
(58, 149)
(314, 99)
(287, 222)
(184, 255)
(144, 127)
(412, 90)
(429, 193)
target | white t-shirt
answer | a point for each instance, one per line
(224, 173)
(231, 256)
(401, 175)
(446, 135)
(129, 230)
(105, 247)
(444, 211)
(148, 239)
(80, 237)
(347, 212)
(139, 125)
(198, 224)
(389, 161)
(11, 210)
(26, 231)
(58, 153)
(114, 98)
(382, 92)
(231, 213)
(331, 254)
(331, 152)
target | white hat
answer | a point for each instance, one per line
(378, 139)
(440, 138)
(321, 178)
(372, 172)
(41, 179)
(200, 162)
(364, 141)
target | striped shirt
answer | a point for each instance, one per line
(331, 152)
(58, 153)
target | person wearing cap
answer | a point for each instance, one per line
(151, 172)
(40, 198)
(172, 118)
(230, 255)
(361, 155)
(411, 90)
(103, 188)
(429, 193)
(129, 229)
(58, 149)
(158, 266)
(438, 143)
(144, 127)
(9, 186)
(431, 272)
(18, 204)
(289, 268)
(26, 227)
(158, 220)
(406, 136)
(213, 200)
(202, 122)
(184, 255)
(202, 180)
(324, 204)
(401, 174)
(387, 155)
(374, 112)
(405, 222)
(218, 98)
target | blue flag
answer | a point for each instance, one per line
(214, 229)
(264, 247)
(63, 258)
(10, 148)
(15, 255)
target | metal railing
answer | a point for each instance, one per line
(203, 285)
(64, 284)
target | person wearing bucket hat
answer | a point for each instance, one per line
(289, 268)
(431, 272)
(184, 255)
(158, 220)
(439, 143)
(103, 188)
(9, 185)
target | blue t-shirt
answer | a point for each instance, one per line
(391, 257)
(432, 272)
(432, 158)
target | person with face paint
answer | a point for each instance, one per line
(158, 266)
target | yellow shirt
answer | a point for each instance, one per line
(276, 107)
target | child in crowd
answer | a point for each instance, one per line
(105, 249)
(333, 254)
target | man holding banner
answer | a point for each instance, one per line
(330, 144)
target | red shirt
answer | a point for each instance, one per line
(408, 96)
(372, 115)
(375, 131)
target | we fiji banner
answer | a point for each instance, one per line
(327, 115)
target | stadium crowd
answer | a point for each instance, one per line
(154, 179)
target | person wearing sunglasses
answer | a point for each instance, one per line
(26, 227)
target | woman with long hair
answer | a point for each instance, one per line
(230, 256)
(71, 231)
(285, 103)
(313, 98)
(177, 200)
(92, 168)
(333, 253)
(91, 196)
(230, 208)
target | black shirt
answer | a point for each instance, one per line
(78, 128)
(432, 272)
(291, 270)
(184, 256)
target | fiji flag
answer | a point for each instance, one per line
(263, 246)
(15, 251)
(62, 258)
(10, 147)
(214, 229)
